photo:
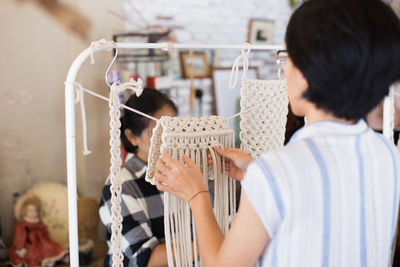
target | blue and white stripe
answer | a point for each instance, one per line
(329, 198)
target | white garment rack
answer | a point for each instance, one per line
(70, 122)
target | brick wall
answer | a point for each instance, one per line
(212, 21)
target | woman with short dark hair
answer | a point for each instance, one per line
(331, 196)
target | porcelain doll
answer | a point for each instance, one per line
(32, 245)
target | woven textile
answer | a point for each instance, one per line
(194, 137)
(264, 109)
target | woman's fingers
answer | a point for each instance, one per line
(189, 162)
(225, 152)
(161, 177)
(161, 186)
(170, 161)
(161, 166)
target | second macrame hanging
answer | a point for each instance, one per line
(264, 106)
(196, 138)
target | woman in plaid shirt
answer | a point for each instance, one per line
(142, 205)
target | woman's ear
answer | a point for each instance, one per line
(303, 83)
(131, 137)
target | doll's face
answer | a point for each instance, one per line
(31, 211)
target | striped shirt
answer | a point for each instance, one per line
(329, 198)
(142, 209)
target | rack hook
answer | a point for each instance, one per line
(111, 64)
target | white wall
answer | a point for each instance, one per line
(215, 21)
(36, 55)
(212, 21)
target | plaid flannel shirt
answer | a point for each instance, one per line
(142, 209)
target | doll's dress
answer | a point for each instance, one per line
(40, 248)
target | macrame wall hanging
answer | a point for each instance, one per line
(263, 127)
(264, 108)
(196, 138)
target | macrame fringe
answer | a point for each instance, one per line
(179, 223)
(196, 143)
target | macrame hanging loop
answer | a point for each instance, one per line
(236, 65)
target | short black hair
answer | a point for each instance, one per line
(149, 102)
(348, 51)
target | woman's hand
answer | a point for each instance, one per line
(236, 161)
(174, 177)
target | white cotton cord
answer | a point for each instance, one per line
(174, 223)
(188, 227)
(79, 98)
(122, 105)
(219, 198)
(233, 210)
(196, 261)
(77, 94)
(179, 229)
(201, 163)
(136, 86)
(167, 219)
(86, 151)
(100, 45)
(235, 67)
(216, 184)
(183, 233)
(225, 188)
(187, 232)
(115, 178)
(248, 109)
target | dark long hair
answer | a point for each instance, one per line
(149, 102)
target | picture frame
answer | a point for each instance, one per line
(261, 31)
(194, 65)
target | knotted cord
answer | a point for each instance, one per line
(236, 65)
(115, 168)
(100, 45)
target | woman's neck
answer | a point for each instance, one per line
(316, 115)
(142, 157)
